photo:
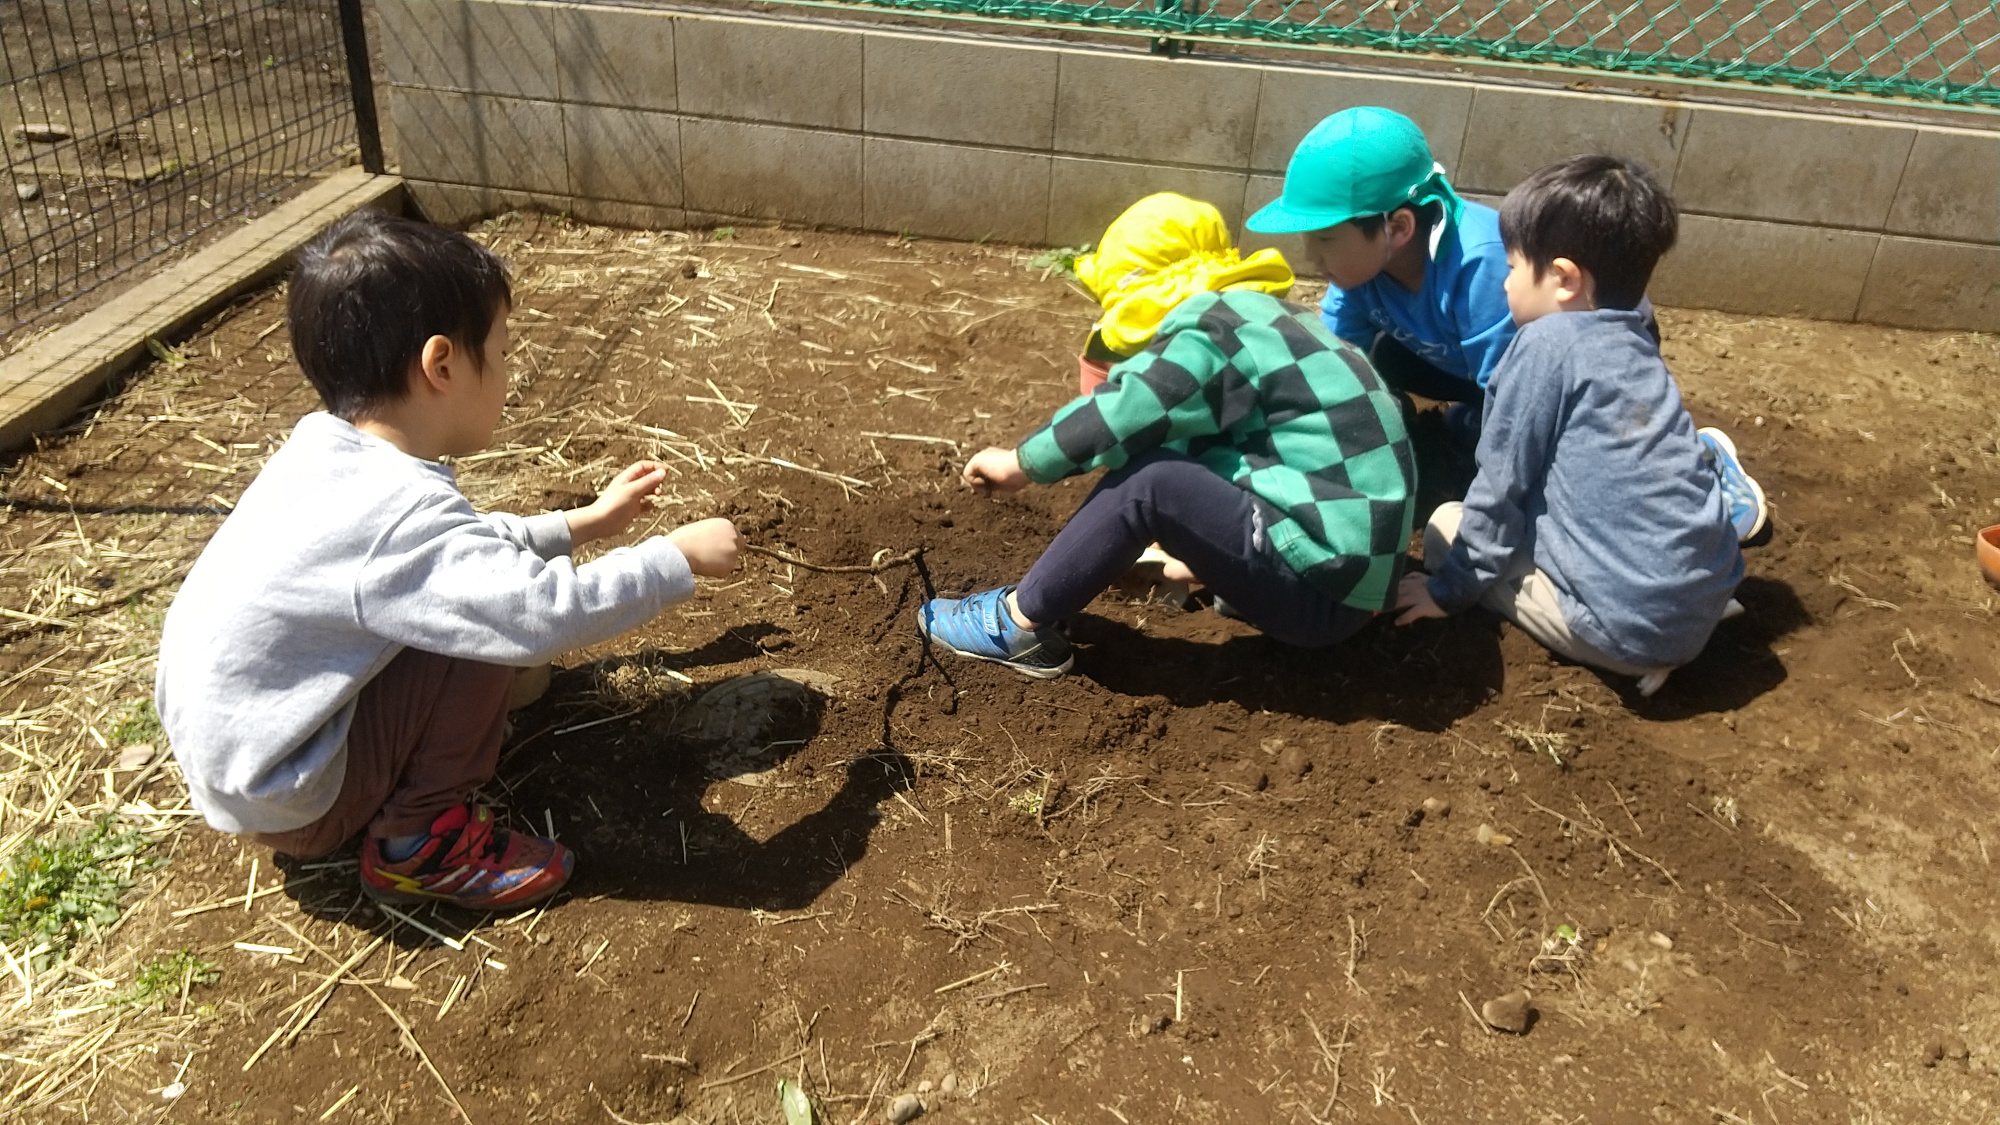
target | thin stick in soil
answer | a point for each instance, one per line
(904, 559)
(732, 1079)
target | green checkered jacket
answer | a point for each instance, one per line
(1261, 393)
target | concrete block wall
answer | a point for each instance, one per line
(656, 117)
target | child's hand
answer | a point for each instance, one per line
(1413, 597)
(995, 471)
(618, 505)
(712, 547)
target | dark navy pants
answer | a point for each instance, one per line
(1208, 523)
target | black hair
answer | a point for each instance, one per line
(367, 294)
(1371, 225)
(1606, 215)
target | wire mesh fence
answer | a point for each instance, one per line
(128, 129)
(1936, 50)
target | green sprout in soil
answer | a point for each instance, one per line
(168, 978)
(1027, 804)
(1059, 259)
(722, 234)
(139, 723)
(54, 889)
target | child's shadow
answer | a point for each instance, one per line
(1740, 663)
(1423, 678)
(634, 797)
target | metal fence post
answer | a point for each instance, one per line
(367, 126)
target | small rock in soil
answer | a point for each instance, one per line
(1509, 1013)
(924, 1087)
(1252, 776)
(1933, 1052)
(1661, 940)
(1295, 763)
(906, 1107)
(1158, 1024)
(1955, 1048)
(1435, 807)
(27, 190)
(1486, 835)
(950, 1085)
(136, 756)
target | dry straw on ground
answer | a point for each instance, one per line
(106, 517)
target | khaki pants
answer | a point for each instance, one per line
(426, 733)
(1527, 598)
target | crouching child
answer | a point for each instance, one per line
(1253, 446)
(1602, 522)
(338, 661)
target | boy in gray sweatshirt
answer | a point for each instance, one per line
(339, 658)
(1601, 521)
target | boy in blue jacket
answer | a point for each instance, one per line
(1601, 521)
(1415, 273)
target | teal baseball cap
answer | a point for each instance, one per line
(1361, 161)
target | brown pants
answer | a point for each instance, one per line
(426, 733)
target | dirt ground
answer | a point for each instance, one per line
(1206, 877)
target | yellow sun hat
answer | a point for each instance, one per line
(1161, 251)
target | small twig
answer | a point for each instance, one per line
(235, 900)
(973, 979)
(625, 1120)
(1610, 837)
(732, 1079)
(1546, 905)
(1007, 992)
(411, 1038)
(1476, 1017)
(904, 559)
(452, 942)
(1620, 798)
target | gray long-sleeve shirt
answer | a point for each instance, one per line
(1589, 465)
(343, 552)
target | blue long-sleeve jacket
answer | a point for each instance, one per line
(1589, 463)
(1458, 322)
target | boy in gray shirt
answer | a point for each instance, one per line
(339, 658)
(1601, 521)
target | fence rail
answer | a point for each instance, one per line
(129, 129)
(1935, 50)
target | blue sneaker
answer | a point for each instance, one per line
(1748, 510)
(980, 627)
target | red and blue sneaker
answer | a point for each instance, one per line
(469, 861)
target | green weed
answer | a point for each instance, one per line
(722, 234)
(161, 982)
(139, 723)
(1059, 259)
(54, 889)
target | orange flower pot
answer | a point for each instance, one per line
(1989, 554)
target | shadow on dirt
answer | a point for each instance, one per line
(1424, 678)
(641, 798)
(1740, 662)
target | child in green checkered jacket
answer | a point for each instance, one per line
(1241, 436)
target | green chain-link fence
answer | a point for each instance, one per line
(1945, 51)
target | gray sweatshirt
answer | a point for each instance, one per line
(1589, 464)
(343, 552)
